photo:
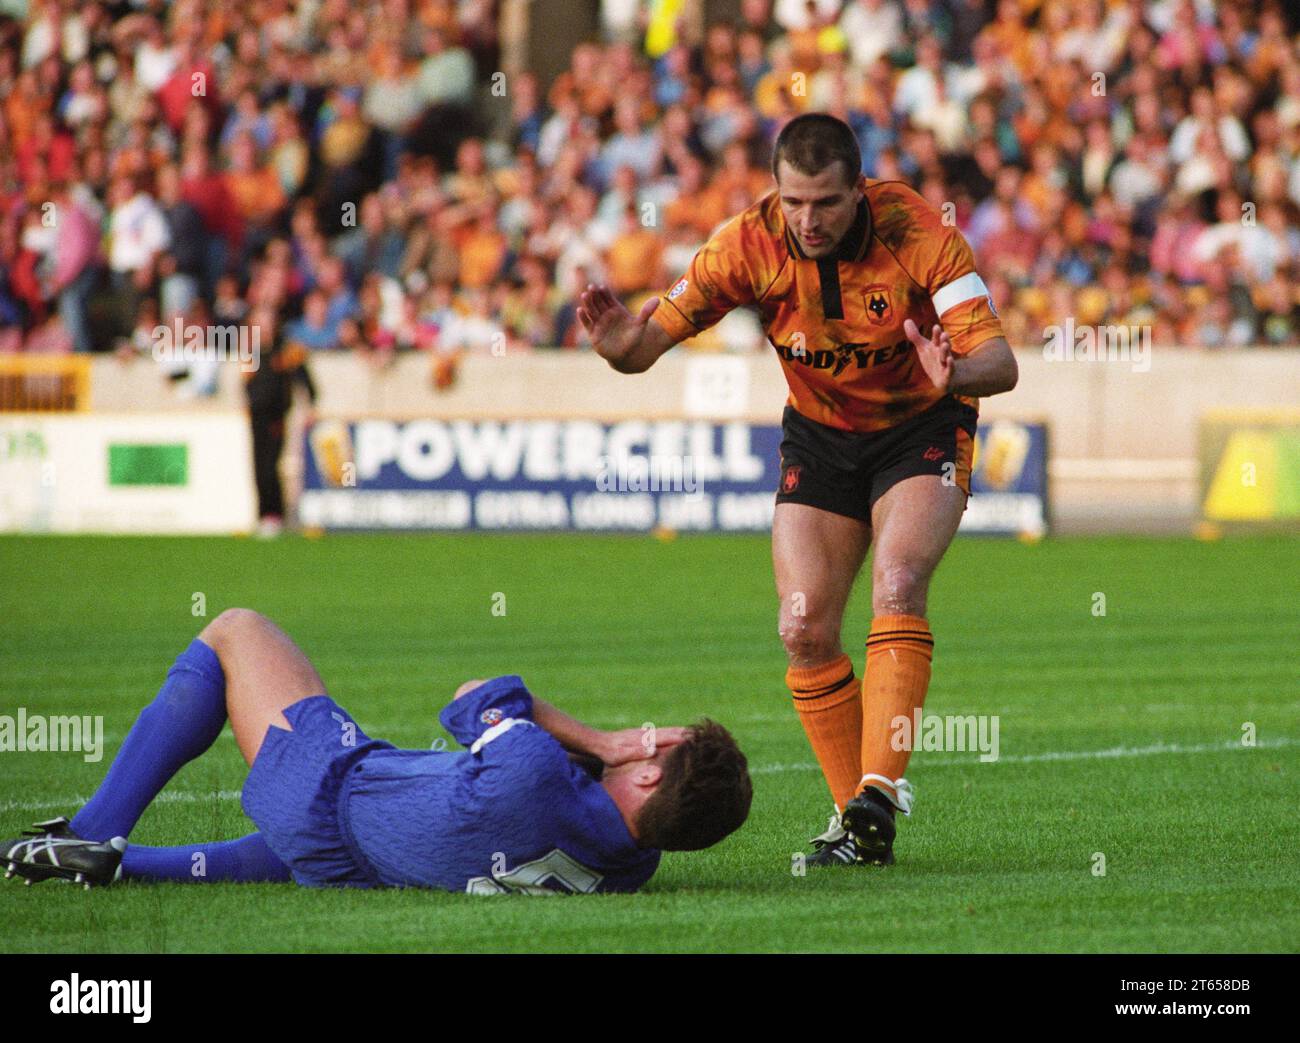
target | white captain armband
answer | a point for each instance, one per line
(959, 290)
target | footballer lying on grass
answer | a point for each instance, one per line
(515, 812)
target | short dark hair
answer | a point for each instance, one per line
(704, 793)
(812, 142)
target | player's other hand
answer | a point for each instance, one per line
(614, 331)
(637, 744)
(935, 354)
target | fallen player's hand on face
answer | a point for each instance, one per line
(935, 353)
(637, 744)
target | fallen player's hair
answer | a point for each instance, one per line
(704, 794)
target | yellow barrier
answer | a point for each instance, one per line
(44, 384)
(1250, 469)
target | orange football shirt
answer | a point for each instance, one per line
(837, 322)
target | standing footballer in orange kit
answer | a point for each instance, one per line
(847, 274)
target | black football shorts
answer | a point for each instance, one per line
(846, 472)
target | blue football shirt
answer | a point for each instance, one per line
(511, 813)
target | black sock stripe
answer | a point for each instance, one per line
(817, 693)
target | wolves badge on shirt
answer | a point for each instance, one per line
(879, 309)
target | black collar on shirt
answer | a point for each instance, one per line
(854, 245)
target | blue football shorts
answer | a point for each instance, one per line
(292, 793)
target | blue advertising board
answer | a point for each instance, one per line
(630, 475)
(1009, 480)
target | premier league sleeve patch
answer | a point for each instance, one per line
(678, 289)
(492, 703)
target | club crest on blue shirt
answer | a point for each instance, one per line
(492, 715)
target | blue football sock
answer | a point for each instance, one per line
(184, 719)
(244, 861)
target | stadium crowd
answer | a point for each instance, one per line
(365, 173)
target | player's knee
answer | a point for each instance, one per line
(808, 637)
(899, 588)
(230, 625)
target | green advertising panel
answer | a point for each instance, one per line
(148, 464)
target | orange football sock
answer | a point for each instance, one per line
(897, 676)
(830, 709)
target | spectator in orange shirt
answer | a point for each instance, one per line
(482, 252)
(698, 206)
(470, 185)
(737, 175)
(785, 85)
(583, 80)
(1013, 41)
(24, 105)
(255, 189)
(633, 261)
(256, 192)
(1044, 177)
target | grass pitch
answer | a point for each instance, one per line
(1120, 735)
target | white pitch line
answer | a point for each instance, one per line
(169, 797)
(939, 760)
(187, 797)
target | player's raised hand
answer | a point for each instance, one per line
(637, 744)
(935, 353)
(615, 332)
